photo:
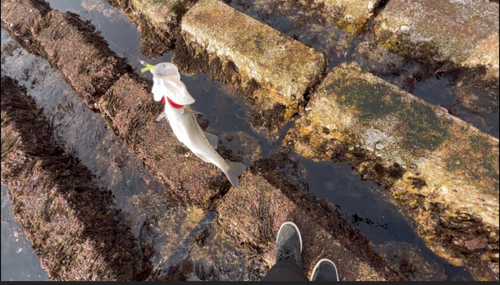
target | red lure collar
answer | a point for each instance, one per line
(176, 106)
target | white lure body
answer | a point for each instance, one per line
(167, 82)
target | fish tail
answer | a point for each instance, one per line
(234, 170)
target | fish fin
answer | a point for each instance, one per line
(189, 112)
(212, 139)
(161, 116)
(234, 171)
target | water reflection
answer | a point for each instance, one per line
(19, 261)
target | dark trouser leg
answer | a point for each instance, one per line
(285, 270)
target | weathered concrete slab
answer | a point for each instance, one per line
(161, 13)
(23, 18)
(70, 44)
(409, 259)
(480, 95)
(254, 214)
(219, 251)
(72, 223)
(468, 93)
(440, 170)
(166, 232)
(463, 32)
(238, 49)
(309, 22)
(187, 243)
(350, 16)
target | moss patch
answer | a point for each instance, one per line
(370, 100)
(425, 130)
(420, 127)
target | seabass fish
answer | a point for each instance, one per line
(169, 88)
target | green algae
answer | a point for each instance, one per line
(480, 163)
(422, 129)
(370, 100)
(425, 130)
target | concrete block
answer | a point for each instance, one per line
(463, 32)
(425, 157)
(244, 51)
(131, 111)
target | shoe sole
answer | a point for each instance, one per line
(329, 261)
(296, 228)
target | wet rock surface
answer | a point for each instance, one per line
(255, 214)
(91, 68)
(408, 260)
(424, 156)
(130, 115)
(74, 227)
(132, 112)
(19, 261)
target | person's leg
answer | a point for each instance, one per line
(288, 257)
(325, 270)
(285, 270)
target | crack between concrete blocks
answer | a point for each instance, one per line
(365, 29)
(376, 11)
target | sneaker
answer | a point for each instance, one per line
(325, 270)
(289, 243)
